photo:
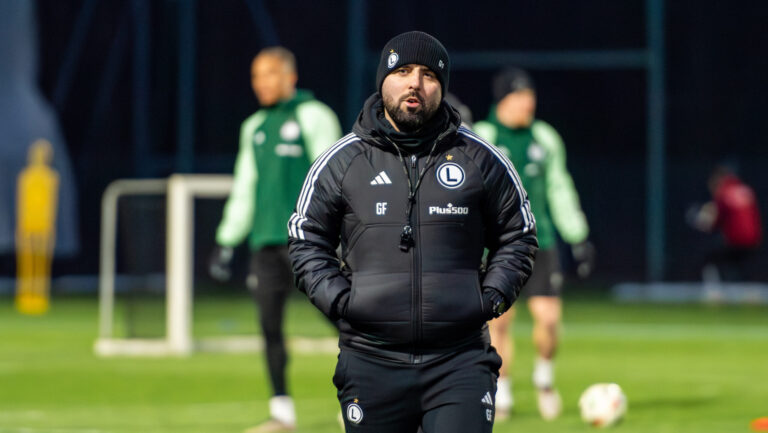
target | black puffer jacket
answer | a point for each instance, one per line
(410, 302)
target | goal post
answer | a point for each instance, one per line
(106, 343)
(181, 191)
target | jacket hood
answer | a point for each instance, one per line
(298, 97)
(367, 125)
(494, 119)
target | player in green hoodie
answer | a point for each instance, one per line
(278, 143)
(538, 153)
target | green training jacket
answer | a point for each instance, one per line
(538, 154)
(277, 146)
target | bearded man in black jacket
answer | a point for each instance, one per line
(413, 198)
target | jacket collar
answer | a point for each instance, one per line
(370, 129)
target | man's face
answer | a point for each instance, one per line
(272, 80)
(516, 110)
(411, 95)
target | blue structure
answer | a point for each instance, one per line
(26, 116)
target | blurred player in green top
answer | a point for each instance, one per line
(538, 153)
(278, 144)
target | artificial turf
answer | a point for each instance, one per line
(684, 368)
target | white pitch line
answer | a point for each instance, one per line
(9, 367)
(667, 331)
(25, 414)
(48, 430)
(247, 344)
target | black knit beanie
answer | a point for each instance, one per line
(511, 80)
(414, 48)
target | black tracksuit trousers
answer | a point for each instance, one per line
(452, 394)
(270, 280)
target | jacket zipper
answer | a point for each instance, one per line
(416, 255)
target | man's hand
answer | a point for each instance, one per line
(702, 217)
(584, 256)
(220, 263)
(495, 302)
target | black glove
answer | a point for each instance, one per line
(584, 256)
(220, 263)
(495, 302)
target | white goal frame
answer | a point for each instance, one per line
(181, 191)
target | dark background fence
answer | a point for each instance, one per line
(148, 88)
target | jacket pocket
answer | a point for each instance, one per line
(453, 298)
(380, 307)
(380, 298)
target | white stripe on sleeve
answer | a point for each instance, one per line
(305, 197)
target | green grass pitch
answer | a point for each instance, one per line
(685, 368)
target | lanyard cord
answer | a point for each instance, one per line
(412, 189)
(406, 237)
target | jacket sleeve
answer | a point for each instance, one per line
(237, 221)
(486, 131)
(562, 197)
(313, 235)
(510, 228)
(319, 126)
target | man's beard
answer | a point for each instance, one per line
(407, 120)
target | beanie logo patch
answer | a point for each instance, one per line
(441, 64)
(392, 59)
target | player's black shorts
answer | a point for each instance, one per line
(270, 272)
(452, 394)
(547, 277)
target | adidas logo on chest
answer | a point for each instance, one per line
(381, 179)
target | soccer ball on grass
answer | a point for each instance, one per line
(603, 404)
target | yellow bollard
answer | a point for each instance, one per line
(37, 200)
